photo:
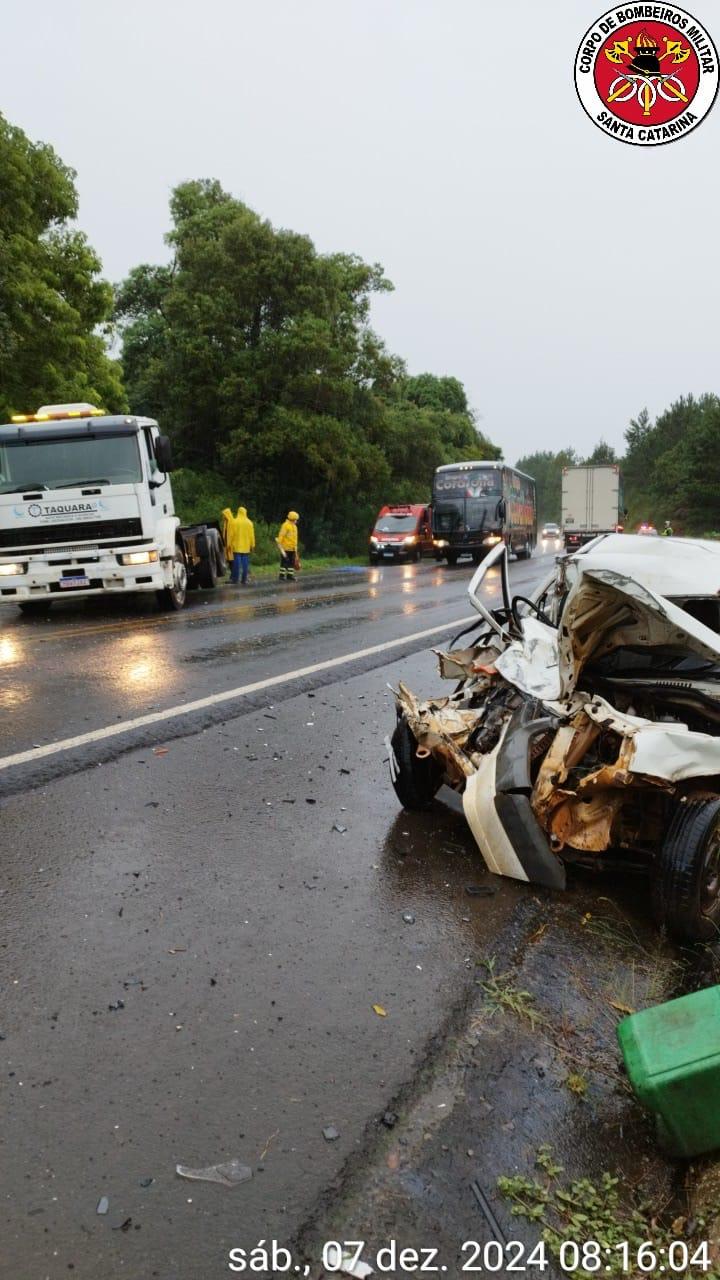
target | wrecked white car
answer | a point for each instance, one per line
(585, 723)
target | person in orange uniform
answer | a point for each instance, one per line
(287, 541)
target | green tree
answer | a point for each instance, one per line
(602, 454)
(670, 465)
(685, 482)
(52, 301)
(256, 353)
(546, 468)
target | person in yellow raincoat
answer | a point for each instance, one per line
(287, 541)
(243, 542)
(226, 524)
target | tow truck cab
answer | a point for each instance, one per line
(86, 508)
(401, 532)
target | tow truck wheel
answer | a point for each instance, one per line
(686, 888)
(416, 781)
(35, 606)
(207, 573)
(174, 597)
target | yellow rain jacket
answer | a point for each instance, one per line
(228, 521)
(287, 538)
(243, 534)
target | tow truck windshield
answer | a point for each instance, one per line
(69, 462)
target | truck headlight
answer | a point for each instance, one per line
(138, 557)
(409, 540)
(439, 542)
(11, 570)
(373, 539)
(492, 540)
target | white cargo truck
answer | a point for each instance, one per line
(592, 503)
(86, 509)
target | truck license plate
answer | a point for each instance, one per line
(66, 584)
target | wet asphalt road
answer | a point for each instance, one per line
(189, 950)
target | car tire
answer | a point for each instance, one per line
(173, 598)
(417, 781)
(452, 558)
(686, 885)
(373, 559)
(478, 557)
(35, 607)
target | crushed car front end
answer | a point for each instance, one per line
(584, 728)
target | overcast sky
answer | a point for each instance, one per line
(567, 279)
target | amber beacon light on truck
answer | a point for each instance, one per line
(59, 413)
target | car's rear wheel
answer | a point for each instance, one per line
(686, 888)
(416, 779)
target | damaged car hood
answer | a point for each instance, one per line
(604, 611)
(607, 610)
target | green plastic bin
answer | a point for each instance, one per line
(672, 1056)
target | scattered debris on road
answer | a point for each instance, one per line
(228, 1174)
(103, 1205)
(330, 1133)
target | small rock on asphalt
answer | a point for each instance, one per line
(330, 1133)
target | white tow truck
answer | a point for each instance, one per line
(86, 509)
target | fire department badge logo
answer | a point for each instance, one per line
(647, 74)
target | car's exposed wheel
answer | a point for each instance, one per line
(477, 557)
(35, 606)
(686, 887)
(415, 779)
(174, 597)
(451, 557)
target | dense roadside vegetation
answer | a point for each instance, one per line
(256, 353)
(54, 307)
(671, 468)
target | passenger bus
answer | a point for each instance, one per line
(475, 505)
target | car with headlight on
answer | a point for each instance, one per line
(551, 531)
(583, 728)
(401, 532)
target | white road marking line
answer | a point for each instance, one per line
(228, 695)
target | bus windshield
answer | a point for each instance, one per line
(67, 462)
